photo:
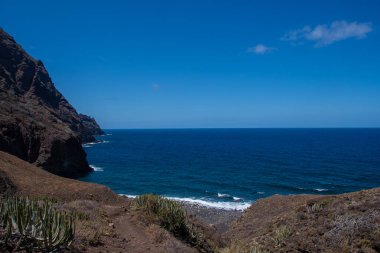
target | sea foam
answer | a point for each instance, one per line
(321, 190)
(214, 204)
(96, 168)
(91, 144)
(238, 206)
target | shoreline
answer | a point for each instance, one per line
(127, 231)
(218, 218)
(223, 205)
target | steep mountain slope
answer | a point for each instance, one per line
(37, 123)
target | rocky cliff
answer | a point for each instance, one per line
(89, 128)
(37, 123)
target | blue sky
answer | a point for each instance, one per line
(185, 64)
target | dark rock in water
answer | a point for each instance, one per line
(37, 123)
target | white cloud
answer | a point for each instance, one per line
(260, 49)
(324, 35)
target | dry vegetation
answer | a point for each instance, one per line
(340, 223)
(173, 217)
(106, 222)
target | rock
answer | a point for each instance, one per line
(37, 123)
(89, 128)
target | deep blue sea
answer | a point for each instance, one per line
(231, 168)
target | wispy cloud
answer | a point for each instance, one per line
(155, 86)
(101, 58)
(260, 49)
(324, 35)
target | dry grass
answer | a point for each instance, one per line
(173, 217)
(92, 223)
(281, 234)
(238, 247)
(170, 214)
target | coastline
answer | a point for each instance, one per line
(217, 218)
(226, 188)
(127, 230)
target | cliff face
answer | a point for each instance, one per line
(37, 123)
(89, 128)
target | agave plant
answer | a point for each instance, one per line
(36, 224)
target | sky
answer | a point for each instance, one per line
(206, 64)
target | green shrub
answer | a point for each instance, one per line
(170, 214)
(314, 208)
(34, 225)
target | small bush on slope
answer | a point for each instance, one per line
(172, 216)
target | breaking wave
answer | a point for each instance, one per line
(238, 206)
(95, 168)
(321, 190)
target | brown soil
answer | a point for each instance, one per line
(31, 180)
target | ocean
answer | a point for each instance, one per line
(231, 168)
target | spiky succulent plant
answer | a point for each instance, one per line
(36, 224)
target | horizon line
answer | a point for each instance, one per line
(200, 128)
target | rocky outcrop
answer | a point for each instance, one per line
(37, 123)
(90, 128)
